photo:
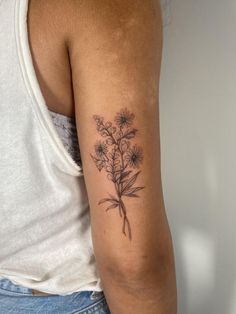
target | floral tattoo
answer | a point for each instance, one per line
(119, 158)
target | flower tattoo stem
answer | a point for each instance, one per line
(119, 158)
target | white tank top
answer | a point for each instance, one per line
(45, 233)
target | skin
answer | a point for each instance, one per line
(95, 58)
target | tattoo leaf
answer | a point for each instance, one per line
(112, 206)
(112, 200)
(132, 190)
(104, 200)
(132, 195)
(130, 182)
(124, 175)
(130, 133)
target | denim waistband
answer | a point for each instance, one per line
(8, 285)
(17, 299)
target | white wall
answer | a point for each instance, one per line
(198, 142)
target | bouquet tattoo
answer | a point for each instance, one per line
(119, 158)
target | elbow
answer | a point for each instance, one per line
(145, 269)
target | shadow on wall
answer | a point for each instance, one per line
(198, 130)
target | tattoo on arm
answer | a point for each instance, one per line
(119, 157)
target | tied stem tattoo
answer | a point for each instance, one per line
(119, 158)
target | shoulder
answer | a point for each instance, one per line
(111, 25)
(75, 17)
(70, 11)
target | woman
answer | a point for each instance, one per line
(84, 228)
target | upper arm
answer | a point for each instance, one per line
(115, 52)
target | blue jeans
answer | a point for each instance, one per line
(17, 299)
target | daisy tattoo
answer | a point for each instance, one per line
(120, 159)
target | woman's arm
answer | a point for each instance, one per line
(115, 52)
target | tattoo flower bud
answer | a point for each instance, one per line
(119, 135)
(100, 164)
(104, 133)
(110, 176)
(117, 168)
(108, 168)
(98, 119)
(99, 127)
(113, 130)
(109, 141)
(107, 124)
(125, 145)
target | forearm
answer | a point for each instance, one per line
(153, 292)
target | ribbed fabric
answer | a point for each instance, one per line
(45, 234)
